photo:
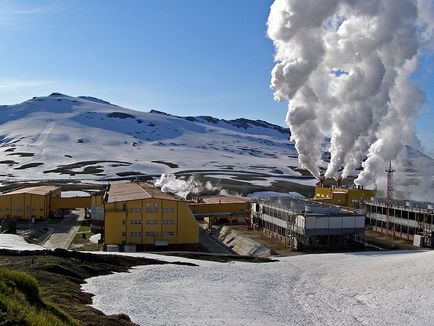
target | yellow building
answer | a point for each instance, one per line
(222, 209)
(343, 196)
(141, 214)
(71, 202)
(97, 213)
(29, 203)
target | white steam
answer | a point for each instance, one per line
(182, 187)
(345, 67)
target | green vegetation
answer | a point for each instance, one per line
(59, 274)
(81, 240)
(21, 304)
(84, 229)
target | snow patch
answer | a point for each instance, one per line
(16, 242)
(95, 238)
(328, 289)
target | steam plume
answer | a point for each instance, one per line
(344, 67)
(182, 187)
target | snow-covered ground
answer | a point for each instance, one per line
(16, 242)
(95, 238)
(77, 193)
(387, 288)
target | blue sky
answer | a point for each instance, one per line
(185, 57)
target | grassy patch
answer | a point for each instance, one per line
(21, 304)
(84, 229)
(81, 240)
(59, 274)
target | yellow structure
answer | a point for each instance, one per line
(97, 213)
(342, 196)
(141, 214)
(222, 209)
(29, 203)
(71, 202)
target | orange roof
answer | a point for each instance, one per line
(38, 190)
(134, 191)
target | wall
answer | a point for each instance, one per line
(149, 220)
(342, 197)
(233, 212)
(24, 206)
(71, 202)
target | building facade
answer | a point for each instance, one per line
(348, 197)
(32, 203)
(97, 213)
(406, 219)
(221, 209)
(305, 225)
(140, 214)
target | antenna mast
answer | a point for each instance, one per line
(389, 203)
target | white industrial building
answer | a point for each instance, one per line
(306, 225)
(409, 220)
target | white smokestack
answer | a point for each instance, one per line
(344, 67)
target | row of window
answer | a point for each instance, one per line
(19, 216)
(149, 222)
(150, 234)
(6, 209)
(168, 210)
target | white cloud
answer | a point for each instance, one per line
(15, 16)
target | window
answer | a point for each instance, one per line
(136, 234)
(148, 205)
(135, 210)
(168, 222)
(153, 222)
(135, 222)
(152, 234)
(152, 210)
(169, 210)
(156, 204)
(168, 234)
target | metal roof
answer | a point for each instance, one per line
(38, 190)
(135, 191)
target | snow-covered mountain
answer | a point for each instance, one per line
(64, 137)
(60, 136)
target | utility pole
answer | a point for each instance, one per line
(390, 172)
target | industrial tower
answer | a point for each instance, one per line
(389, 203)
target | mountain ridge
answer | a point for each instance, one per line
(64, 137)
(42, 135)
